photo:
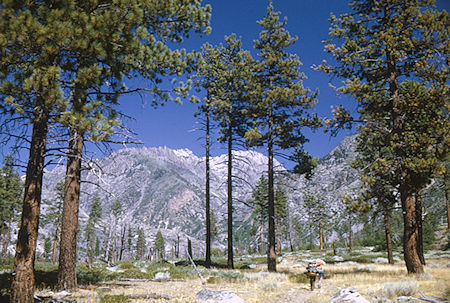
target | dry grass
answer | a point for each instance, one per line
(259, 286)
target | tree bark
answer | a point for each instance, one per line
(67, 275)
(410, 233)
(6, 243)
(271, 255)
(189, 249)
(419, 226)
(22, 286)
(230, 262)
(262, 235)
(447, 198)
(350, 238)
(122, 242)
(207, 193)
(55, 244)
(387, 229)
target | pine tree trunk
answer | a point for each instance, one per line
(6, 243)
(230, 199)
(122, 242)
(419, 226)
(207, 194)
(387, 228)
(22, 286)
(178, 247)
(55, 244)
(350, 238)
(310, 237)
(190, 249)
(108, 244)
(410, 233)
(262, 234)
(321, 235)
(447, 198)
(272, 256)
(67, 275)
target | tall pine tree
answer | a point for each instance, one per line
(280, 107)
(227, 72)
(10, 195)
(378, 47)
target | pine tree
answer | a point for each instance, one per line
(159, 245)
(317, 214)
(226, 71)
(141, 245)
(378, 47)
(88, 49)
(53, 215)
(259, 202)
(30, 92)
(10, 196)
(280, 107)
(90, 235)
(281, 215)
(353, 208)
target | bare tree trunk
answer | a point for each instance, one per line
(387, 228)
(67, 274)
(447, 202)
(310, 236)
(207, 193)
(22, 285)
(190, 249)
(419, 220)
(178, 247)
(230, 262)
(321, 235)
(108, 243)
(6, 243)
(350, 238)
(262, 234)
(271, 255)
(122, 242)
(410, 233)
(55, 244)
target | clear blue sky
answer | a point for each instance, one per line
(172, 125)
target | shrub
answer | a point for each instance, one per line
(228, 276)
(402, 288)
(298, 278)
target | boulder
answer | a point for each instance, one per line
(348, 295)
(217, 296)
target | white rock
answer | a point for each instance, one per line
(217, 296)
(348, 295)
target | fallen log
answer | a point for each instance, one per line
(151, 280)
(436, 300)
(130, 296)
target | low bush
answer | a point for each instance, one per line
(298, 278)
(402, 288)
(226, 276)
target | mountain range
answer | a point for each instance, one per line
(163, 189)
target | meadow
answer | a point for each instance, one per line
(163, 281)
